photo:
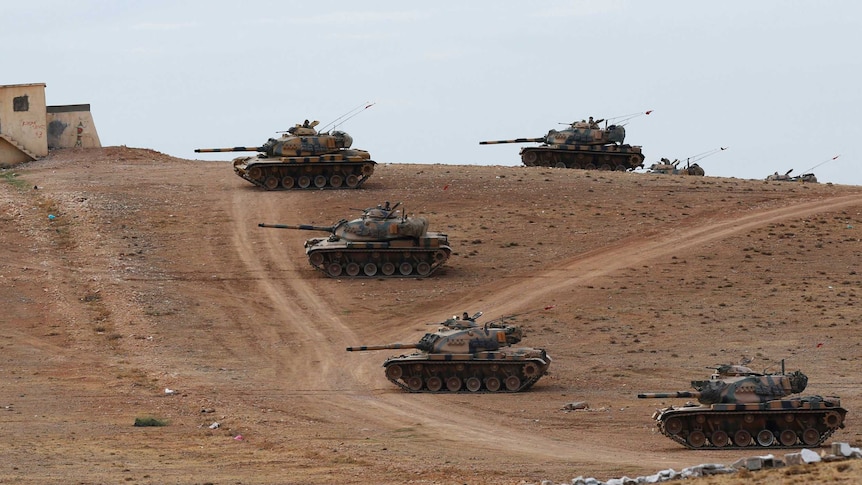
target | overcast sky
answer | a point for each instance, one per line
(778, 82)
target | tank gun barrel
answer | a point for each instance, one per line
(668, 395)
(516, 140)
(360, 348)
(303, 227)
(234, 149)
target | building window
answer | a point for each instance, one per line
(21, 103)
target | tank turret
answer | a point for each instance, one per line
(740, 407)
(463, 355)
(739, 387)
(583, 144)
(381, 243)
(303, 158)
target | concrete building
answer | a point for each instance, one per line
(28, 127)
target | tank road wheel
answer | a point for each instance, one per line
(352, 269)
(334, 270)
(560, 165)
(287, 182)
(530, 369)
(316, 259)
(788, 437)
(606, 167)
(529, 158)
(320, 181)
(370, 269)
(414, 383)
(271, 183)
(352, 181)
(673, 425)
(255, 173)
(394, 372)
(387, 268)
(696, 438)
(810, 436)
(492, 384)
(473, 384)
(304, 181)
(336, 181)
(405, 268)
(513, 383)
(719, 438)
(832, 419)
(453, 383)
(765, 437)
(423, 268)
(742, 438)
(576, 165)
(621, 168)
(590, 166)
(434, 384)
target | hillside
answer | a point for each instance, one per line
(127, 272)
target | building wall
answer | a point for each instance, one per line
(72, 126)
(22, 118)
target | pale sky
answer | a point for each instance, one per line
(778, 82)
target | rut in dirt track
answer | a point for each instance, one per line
(530, 291)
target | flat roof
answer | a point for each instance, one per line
(21, 85)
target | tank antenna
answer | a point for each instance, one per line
(821, 163)
(350, 114)
(624, 118)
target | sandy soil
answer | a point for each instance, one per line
(126, 272)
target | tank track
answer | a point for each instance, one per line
(773, 428)
(305, 173)
(415, 262)
(432, 376)
(588, 157)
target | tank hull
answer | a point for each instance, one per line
(782, 423)
(509, 370)
(348, 169)
(589, 157)
(397, 258)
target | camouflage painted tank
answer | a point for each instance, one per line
(303, 159)
(691, 166)
(665, 166)
(382, 243)
(462, 356)
(786, 177)
(740, 408)
(584, 144)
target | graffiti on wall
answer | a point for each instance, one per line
(36, 128)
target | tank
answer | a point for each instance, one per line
(462, 356)
(302, 158)
(583, 145)
(665, 166)
(786, 177)
(691, 166)
(740, 408)
(382, 243)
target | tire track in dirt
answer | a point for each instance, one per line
(530, 291)
(302, 315)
